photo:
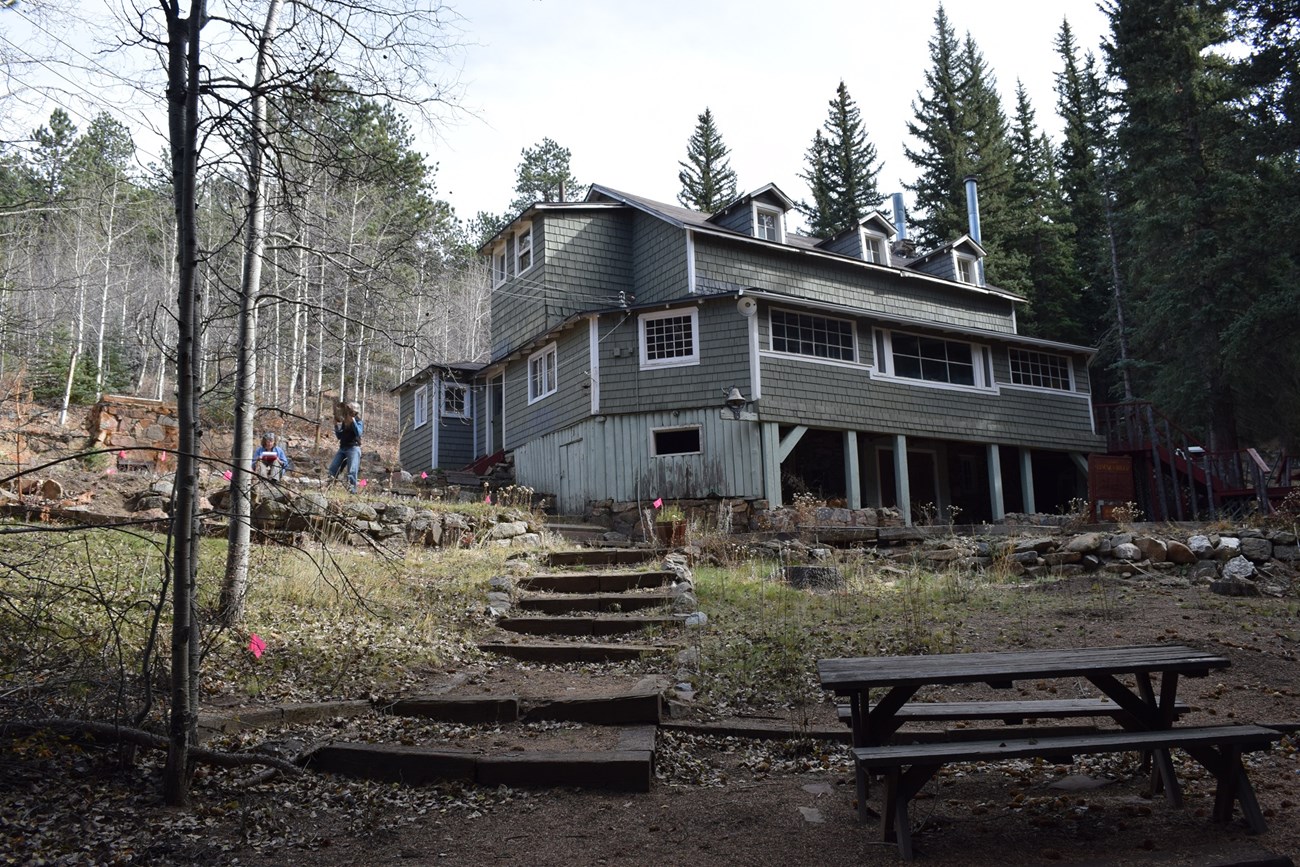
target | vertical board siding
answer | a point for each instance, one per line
(615, 460)
(723, 266)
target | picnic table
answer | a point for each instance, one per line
(1146, 712)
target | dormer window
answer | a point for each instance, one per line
(967, 269)
(524, 249)
(767, 224)
(875, 249)
(500, 269)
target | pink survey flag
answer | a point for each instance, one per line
(659, 502)
(256, 645)
(424, 475)
(361, 483)
(110, 471)
(162, 456)
(227, 475)
(488, 499)
(122, 454)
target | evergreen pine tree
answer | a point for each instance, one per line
(1040, 237)
(1186, 190)
(707, 179)
(544, 176)
(841, 171)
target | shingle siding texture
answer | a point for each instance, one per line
(415, 447)
(728, 266)
(570, 402)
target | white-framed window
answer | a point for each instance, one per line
(543, 373)
(934, 359)
(683, 440)
(768, 223)
(500, 264)
(523, 248)
(967, 269)
(455, 400)
(1041, 369)
(421, 404)
(798, 333)
(875, 248)
(670, 338)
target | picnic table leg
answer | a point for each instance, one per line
(1161, 717)
(1232, 785)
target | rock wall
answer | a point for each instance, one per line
(145, 430)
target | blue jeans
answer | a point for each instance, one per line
(353, 457)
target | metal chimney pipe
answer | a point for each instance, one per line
(973, 219)
(900, 217)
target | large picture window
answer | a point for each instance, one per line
(1040, 369)
(542, 373)
(817, 336)
(934, 359)
(670, 338)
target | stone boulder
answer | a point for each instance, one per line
(1152, 549)
(1257, 550)
(1128, 551)
(1177, 552)
(813, 577)
(1238, 567)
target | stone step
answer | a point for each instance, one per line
(572, 651)
(600, 625)
(596, 582)
(565, 603)
(627, 768)
(577, 533)
(601, 557)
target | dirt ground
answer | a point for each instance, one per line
(719, 800)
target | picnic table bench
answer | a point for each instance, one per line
(1146, 716)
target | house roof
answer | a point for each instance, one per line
(466, 367)
(688, 219)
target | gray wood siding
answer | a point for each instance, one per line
(940, 266)
(456, 439)
(588, 259)
(614, 460)
(740, 219)
(724, 362)
(848, 244)
(567, 405)
(821, 395)
(728, 266)
(415, 446)
(658, 260)
(524, 305)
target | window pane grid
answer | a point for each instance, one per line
(669, 337)
(933, 359)
(1040, 369)
(817, 336)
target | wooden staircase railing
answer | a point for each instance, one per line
(1178, 478)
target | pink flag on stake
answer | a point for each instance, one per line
(424, 475)
(227, 475)
(659, 503)
(361, 483)
(122, 454)
(162, 456)
(488, 499)
(256, 645)
(110, 471)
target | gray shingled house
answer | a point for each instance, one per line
(643, 350)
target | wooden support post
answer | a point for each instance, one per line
(852, 478)
(772, 464)
(902, 485)
(1027, 480)
(996, 500)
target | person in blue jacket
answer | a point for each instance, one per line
(270, 461)
(347, 427)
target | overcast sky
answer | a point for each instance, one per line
(621, 84)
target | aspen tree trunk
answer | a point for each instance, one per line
(75, 358)
(234, 587)
(184, 75)
(103, 294)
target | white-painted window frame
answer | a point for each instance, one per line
(1037, 356)
(778, 220)
(886, 367)
(958, 259)
(677, 361)
(449, 387)
(500, 265)
(543, 383)
(877, 238)
(771, 335)
(420, 404)
(522, 249)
